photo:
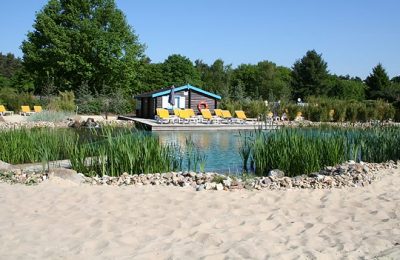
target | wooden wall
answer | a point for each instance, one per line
(149, 105)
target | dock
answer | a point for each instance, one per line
(152, 125)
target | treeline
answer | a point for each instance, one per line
(88, 50)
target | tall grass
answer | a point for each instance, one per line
(303, 151)
(124, 151)
(35, 145)
(107, 151)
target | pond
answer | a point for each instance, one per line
(220, 147)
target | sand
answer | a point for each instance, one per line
(62, 220)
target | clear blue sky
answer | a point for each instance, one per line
(352, 35)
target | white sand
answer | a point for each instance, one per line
(59, 220)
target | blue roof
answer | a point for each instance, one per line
(164, 92)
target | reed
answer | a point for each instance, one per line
(303, 151)
(128, 151)
(35, 145)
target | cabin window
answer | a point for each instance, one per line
(179, 102)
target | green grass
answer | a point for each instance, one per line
(35, 145)
(303, 151)
(124, 151)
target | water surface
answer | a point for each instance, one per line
(220, 147)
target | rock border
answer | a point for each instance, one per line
(349, 174)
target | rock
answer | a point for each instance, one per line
(200, 187)
(210, 185)
(167, 175)
(248, 186)
(66, 174)
(219, 186)
(6, 166)
(276, 173)
(227, 182)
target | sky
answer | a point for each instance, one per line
(353, 36)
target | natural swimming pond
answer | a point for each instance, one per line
(221, 148)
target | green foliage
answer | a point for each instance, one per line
(76, 42)
(35, 145)
(351, 111)
(218, 179)
(376, 82)
(122, 151)
(179, 70)
(304, 151)
(263, 80)
(309, 75)
(14, 100)
(252, 108)
(64, 102)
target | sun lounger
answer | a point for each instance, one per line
(4, 111)
(207, 117)
(192, 115)
(299, 117)
(163, 117)
(242, 116)
(37, 109)
(26, 111)
(228, 118)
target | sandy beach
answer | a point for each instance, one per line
(59, 219)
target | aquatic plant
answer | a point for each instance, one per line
(35, 145)
(303, 151)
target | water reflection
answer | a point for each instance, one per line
(220, 147)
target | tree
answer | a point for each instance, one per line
(77, 42)
(346, 88)
(395, 79)
(309, 75)
(376, 82)
(179, 70)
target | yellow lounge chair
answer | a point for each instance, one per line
(37, 109)
(218, 112)
(299, 117)
(26, 111)
(4, 111)
(207, 117)
(192, 115)
(163, 116)
(242, 116)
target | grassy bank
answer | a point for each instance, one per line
(303, 151)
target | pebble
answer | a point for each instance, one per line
(350, 174)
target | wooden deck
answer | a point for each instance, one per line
(152, 125)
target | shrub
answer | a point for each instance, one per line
(64, 102)
(14, 100)
(50, 116)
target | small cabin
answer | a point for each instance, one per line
(186, 96)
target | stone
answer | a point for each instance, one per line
(6, 166)
(276, 173)
(248, 186)
(210, 185)
(200, 187)
(219, 186)
(227, 182)
(66, 174)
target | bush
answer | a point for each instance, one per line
(50, 116)
(14, 100)
(64, 102)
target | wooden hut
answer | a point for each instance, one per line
(186, 96)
